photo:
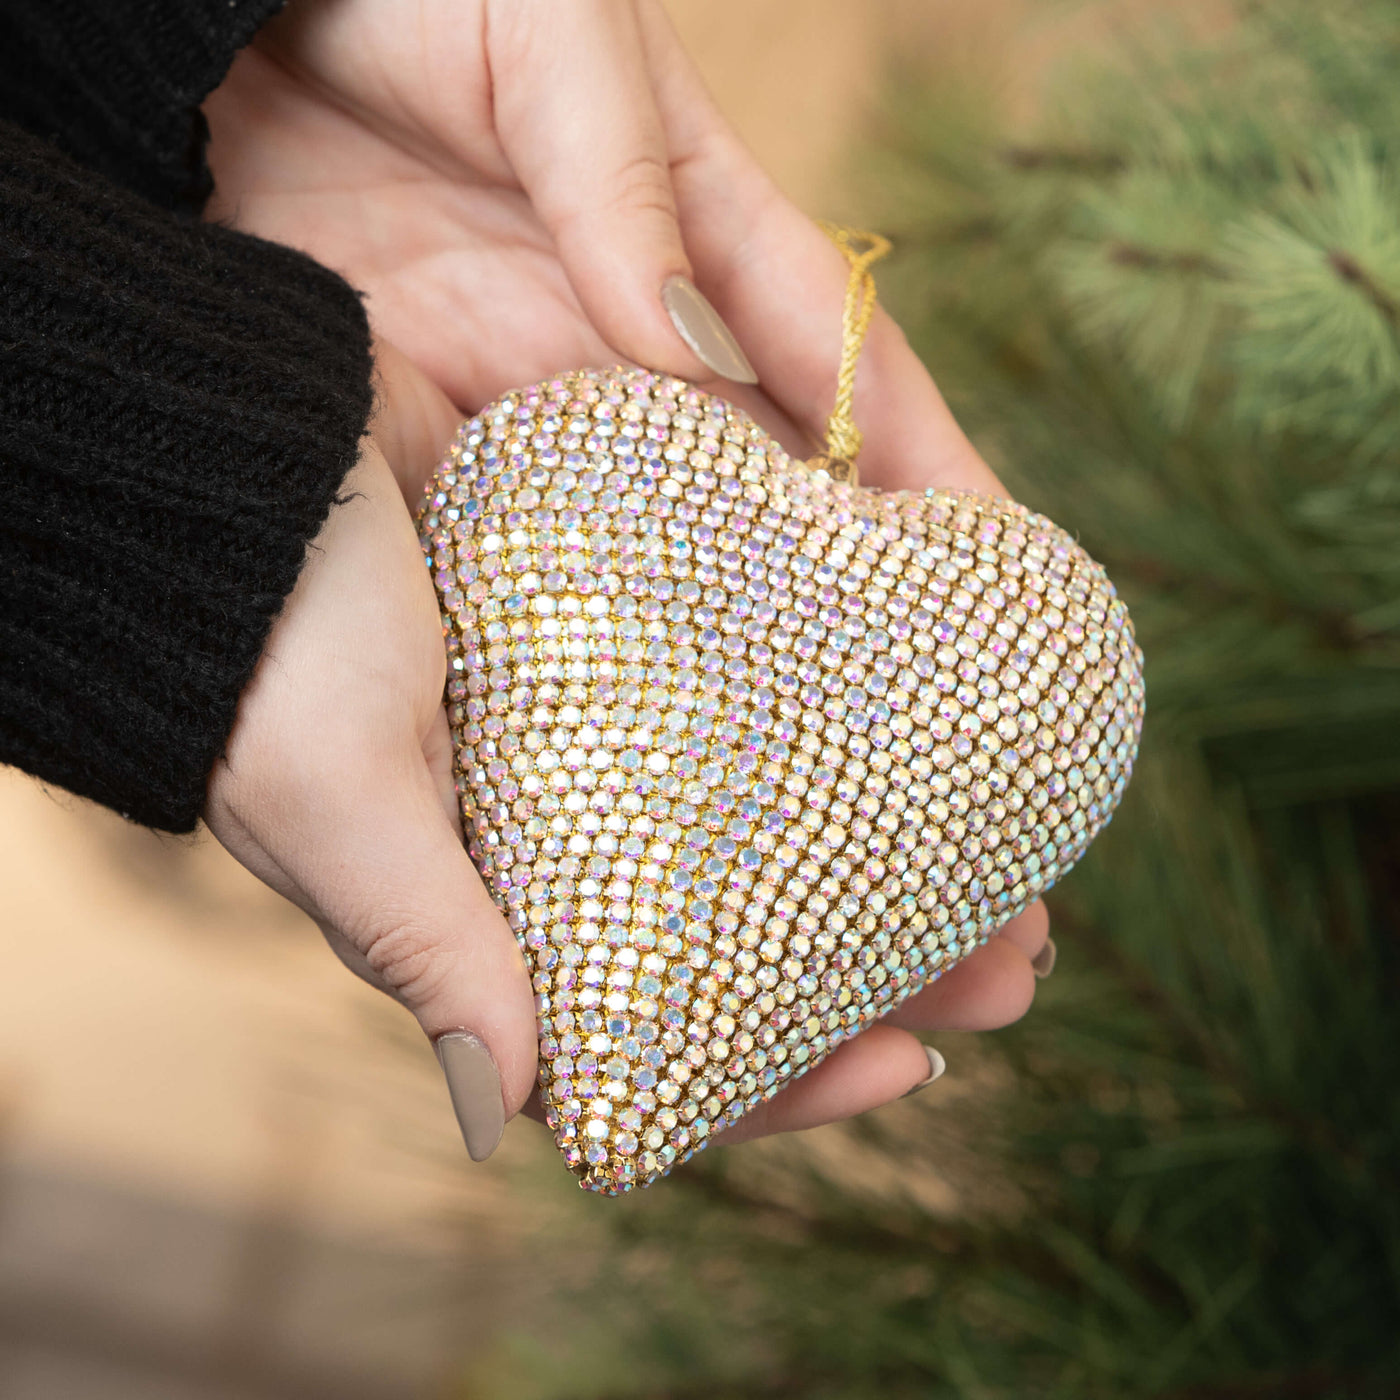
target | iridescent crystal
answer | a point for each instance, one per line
(746, 756)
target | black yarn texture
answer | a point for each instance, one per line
(179, 404)
(116, 84)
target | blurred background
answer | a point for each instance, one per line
(1152, 255)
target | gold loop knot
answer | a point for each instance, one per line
(843, 439)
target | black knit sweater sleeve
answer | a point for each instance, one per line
(116, 84)
(178, 406)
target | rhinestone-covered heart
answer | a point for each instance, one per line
(747, 756)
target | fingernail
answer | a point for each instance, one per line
(1043, 964)
(475, 1087)
(700, 326)
(936, 1065)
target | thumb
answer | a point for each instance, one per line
(335, 787)
(578, 121)
(373, 855)
(403, 906)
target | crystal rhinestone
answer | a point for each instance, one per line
(745, 756)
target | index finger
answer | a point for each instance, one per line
(779, 283)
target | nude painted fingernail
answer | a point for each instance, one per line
(700, 326)
(936, 1065)
(1043, 964)
(475, 1087)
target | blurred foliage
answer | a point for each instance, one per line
(1172, 321)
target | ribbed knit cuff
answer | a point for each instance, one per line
(178, 406)
(116, 84)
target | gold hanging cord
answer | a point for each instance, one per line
(843, 438)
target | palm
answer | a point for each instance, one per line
(379, 138)
(447, 257)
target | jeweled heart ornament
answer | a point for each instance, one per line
(748, 754)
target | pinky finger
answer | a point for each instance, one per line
(878, 1066)
(990, 988)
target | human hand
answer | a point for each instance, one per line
(336, 785)
(513, 181)
(512, 194)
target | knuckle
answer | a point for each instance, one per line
(409, 959)
(642, 183)
(637, 188)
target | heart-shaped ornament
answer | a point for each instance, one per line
(747, 755)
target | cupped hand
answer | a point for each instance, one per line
(513, 181)
(336, 784)
(512, 184)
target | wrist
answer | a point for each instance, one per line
(413, 420)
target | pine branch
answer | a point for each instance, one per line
(1353, 274)
(1155, 260)
(1316, 1383)
(1335, 630)
(1064, 160)
(1169, 1010)
(780, 1384)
